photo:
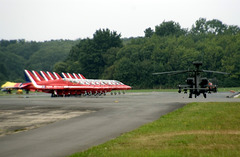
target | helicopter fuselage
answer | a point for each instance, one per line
(195, 83)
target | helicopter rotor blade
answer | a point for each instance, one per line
(217, 72)
(171, 72)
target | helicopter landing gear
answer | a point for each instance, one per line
(204, 95)
(180, 90)
(190, 95)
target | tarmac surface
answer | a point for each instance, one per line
(104, 118)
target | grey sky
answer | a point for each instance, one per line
(71, 19)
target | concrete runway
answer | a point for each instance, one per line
(114, 115)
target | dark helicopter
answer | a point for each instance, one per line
(195, 83)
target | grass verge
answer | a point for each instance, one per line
(198, 129)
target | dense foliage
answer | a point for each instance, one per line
(168, 48)
(17, 55)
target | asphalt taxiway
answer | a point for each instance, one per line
(112, 116)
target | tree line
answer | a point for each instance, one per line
(17, 55)
(167, 47)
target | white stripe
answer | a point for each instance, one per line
(56, 75)
(44, 75)
(34, 73)
(69, 76)
(82, 87)
(32, 80)
(80, 76)
(50, 75)
(75, 76)
(64, 75)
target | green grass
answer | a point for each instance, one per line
(236, 89)
(198, 129)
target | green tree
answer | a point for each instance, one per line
(200, 26)
(93, 55)
(125, 71)
(232, 30)
(148, 32)
(60, 67)
(169, 28)
(105, 39)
